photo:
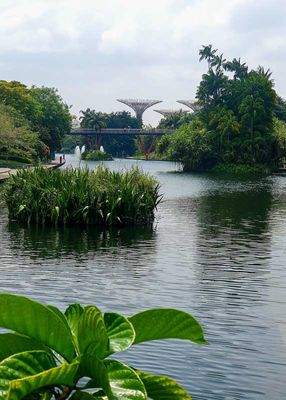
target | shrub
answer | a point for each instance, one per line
(82, 196)
(49, 352)
(96, 155)
(191, 145)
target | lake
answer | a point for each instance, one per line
(217, 250)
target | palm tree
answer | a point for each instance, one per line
(266, 73)
(207, 53)
(240, 70)
(92, 119)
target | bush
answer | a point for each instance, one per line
(48, 352)
(96, 155)
(81, 196)
(191, 145)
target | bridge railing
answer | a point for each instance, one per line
(120, 131)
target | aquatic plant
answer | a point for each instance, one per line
(49, 352)
(96, 155)
(82, 196)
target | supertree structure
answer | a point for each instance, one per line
(139, 106)
(165, 113)
(192, 104)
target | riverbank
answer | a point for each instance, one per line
(5, 173)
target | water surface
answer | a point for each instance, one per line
(217, 250)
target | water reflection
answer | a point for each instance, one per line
(49, 242)
(232, 268)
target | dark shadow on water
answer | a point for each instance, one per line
(44, 242)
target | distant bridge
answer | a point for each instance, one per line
(120, 131)
(154, 133)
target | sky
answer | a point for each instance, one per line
(95, 51)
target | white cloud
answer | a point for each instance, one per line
(97, 50)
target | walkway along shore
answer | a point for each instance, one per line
(5, 173)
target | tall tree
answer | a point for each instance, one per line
(55, 120)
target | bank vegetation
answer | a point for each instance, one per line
(82, 196)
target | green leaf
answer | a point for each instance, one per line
(162, 387)
(95, 369)
(166, 324)
(11, 343)
(116, 379)
(79, 395)
(100, 395)
(73, 314)
(37, 321)
(124, 381)
(120, 332)
(59, 314)
(27, 372)
(92, 334)
(46, 396)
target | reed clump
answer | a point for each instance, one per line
(82, 196)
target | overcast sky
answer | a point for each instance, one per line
(95, 51)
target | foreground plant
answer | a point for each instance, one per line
(81, 196)
(49, 352)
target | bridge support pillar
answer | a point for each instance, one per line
(99, 139)
(147, 152)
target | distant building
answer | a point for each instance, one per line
(139, 106)
(165, 113)
(192, 104)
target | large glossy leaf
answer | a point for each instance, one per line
(95, 369)
(124, 381)
(11, 343)
(92, 334)
(59, 314)
(162, 387)
(116, 379)
(73, 314)
(27, 372)
(120, 332)
(37, 321)
(166, 324)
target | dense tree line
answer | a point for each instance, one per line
(237, 121)
(33, 121)
(116, 145)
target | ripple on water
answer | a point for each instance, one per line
(217, 250)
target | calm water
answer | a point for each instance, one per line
(217, 250)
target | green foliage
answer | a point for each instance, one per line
(96, 155)
(69, 143)
(280, 108)
(116, 145)
(237, 110)
(17, 95)
(59, 349)
(280, 136)
(191, 144)
(17, 141)
(55, 120)
(176, 120)
(40, 110)
(81, 196)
